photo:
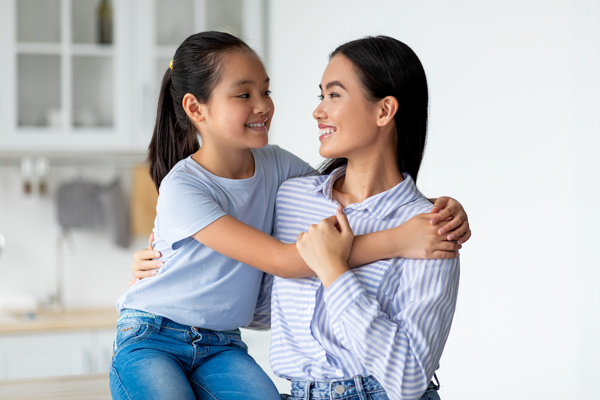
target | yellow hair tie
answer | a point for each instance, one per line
(171, 64)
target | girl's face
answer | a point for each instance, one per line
(240, 109)
(347, 120)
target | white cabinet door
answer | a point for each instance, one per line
(102, 342)
(48, 354)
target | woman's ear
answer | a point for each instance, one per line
(388, 107)
(193, 109)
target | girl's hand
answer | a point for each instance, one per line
(326, 247)
(144, 265)
(451, 219)
(418, 239)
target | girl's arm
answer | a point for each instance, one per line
(420, 237)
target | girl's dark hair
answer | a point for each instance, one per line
(196, 70)
(387, 67)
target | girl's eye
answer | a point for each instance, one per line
(334, 95)
(244, 96)
(267, 93)
(320, 97)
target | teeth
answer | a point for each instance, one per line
(326, 131)
(256, 125)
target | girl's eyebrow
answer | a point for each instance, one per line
(332, 84)
(248, 82)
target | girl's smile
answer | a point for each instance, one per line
(326, 131)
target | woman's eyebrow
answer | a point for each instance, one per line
(248, 82)
(332, 84)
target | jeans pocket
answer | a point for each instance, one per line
(130, 333)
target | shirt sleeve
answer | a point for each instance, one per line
(185, 207)
(401, 348)
(262, 312)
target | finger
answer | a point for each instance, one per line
(444, 254)
(150, 241)
(134, 280)
(447, 246)
(146, 254)
(145, 274)
(459, 231)
(465, 237)
(439, 204)
(147, 265)
(448, 211)
(451, 226)
(343, 221)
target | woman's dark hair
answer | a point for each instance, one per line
(387, 67)
(196, 70)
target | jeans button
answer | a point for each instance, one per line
(339, 389)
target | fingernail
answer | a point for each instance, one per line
(159, 264)
(153, 273)
(156, 255)
(434, 221)
(442, 231)
(340, 208)
(451, 236)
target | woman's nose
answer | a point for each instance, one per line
(319, 112)
(261, 107)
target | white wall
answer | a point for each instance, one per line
(514, 135)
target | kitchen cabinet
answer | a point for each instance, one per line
(70, 89)
(47, 354)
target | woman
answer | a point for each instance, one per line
(377, 331)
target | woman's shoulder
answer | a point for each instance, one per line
(302, 183)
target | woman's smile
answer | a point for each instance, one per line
(326, 131)
(258, 125)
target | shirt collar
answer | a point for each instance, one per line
(382, 204)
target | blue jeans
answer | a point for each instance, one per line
(156, 358)
(357, 388)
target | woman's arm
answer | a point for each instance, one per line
(400, 348)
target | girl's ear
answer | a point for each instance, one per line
(387, 109)
(193, 109)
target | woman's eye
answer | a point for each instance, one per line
(244, 96)
(320, 97)
(334, 95)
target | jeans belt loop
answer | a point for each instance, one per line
(358, 380)
(307, 390)
(157, 323)
(223, 339)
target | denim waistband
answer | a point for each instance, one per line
(160, 321)
(335, 389)
(341, 388)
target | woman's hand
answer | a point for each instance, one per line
(144, 265)
(451, 219)
(419, 239)
(326, 247)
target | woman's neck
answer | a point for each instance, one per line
(366, 177)
(226, 163)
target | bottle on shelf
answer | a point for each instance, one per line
(105, 22)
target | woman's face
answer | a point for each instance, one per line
(347, 120)
(240, 109)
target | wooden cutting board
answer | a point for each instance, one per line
(143, 202)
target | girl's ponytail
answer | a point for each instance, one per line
(195, 70)
(171, 142)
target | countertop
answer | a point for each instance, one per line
(79, 387)
(48, 320)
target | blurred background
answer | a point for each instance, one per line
(514, 135)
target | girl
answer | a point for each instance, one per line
(376, 332)
(178, 336)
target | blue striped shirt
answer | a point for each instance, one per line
(389, 319)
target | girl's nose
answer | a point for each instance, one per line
(261, 107)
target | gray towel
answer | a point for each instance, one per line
(117, 213)
(80, 205)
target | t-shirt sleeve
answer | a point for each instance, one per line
(185, 207)
(291, 165)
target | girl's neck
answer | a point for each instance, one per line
(226, 163)
(366, 177)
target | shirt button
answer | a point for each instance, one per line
(339, 389)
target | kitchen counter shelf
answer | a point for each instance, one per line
(46, 321)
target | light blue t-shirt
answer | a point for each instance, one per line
(197, 286)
